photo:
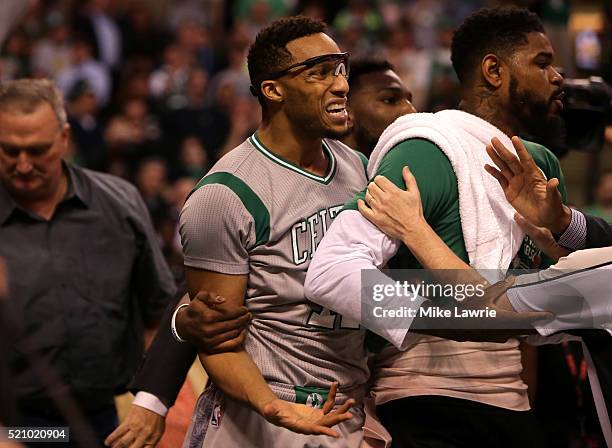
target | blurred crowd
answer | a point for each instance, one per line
(157, 91)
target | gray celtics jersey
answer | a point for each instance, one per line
(255, 213)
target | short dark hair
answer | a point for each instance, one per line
(269, 54)
(497, 30)
(363, 66)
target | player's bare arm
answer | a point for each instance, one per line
(236, 374)
(212, 323)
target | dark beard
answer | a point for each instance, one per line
(553, 135)
(536, 122)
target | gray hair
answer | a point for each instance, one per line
(28, 94)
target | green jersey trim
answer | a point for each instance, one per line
(331, 168)
(249, 199)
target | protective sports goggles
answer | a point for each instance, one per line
(339, 65)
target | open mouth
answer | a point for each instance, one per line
(337, 112)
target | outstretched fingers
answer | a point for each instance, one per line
(503, 182)
(338, 416)
(499, 162)
(512, 162)
(331, 398)
(522, 152)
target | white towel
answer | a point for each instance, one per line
(492, 238)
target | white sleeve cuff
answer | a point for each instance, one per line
(150, 402)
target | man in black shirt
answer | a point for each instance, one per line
(87, 274)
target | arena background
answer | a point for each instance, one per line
(157, 90)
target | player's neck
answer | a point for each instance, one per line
(298, 148)
(350, 141)
(489, 107)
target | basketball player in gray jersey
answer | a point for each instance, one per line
(376, 97)
(249, 231)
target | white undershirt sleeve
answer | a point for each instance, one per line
(577, 290)
(334, 280)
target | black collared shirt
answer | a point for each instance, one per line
(82, 285)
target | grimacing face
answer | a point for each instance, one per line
(32, 146)
(376, 101)
(315, 102)
(535, 87)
